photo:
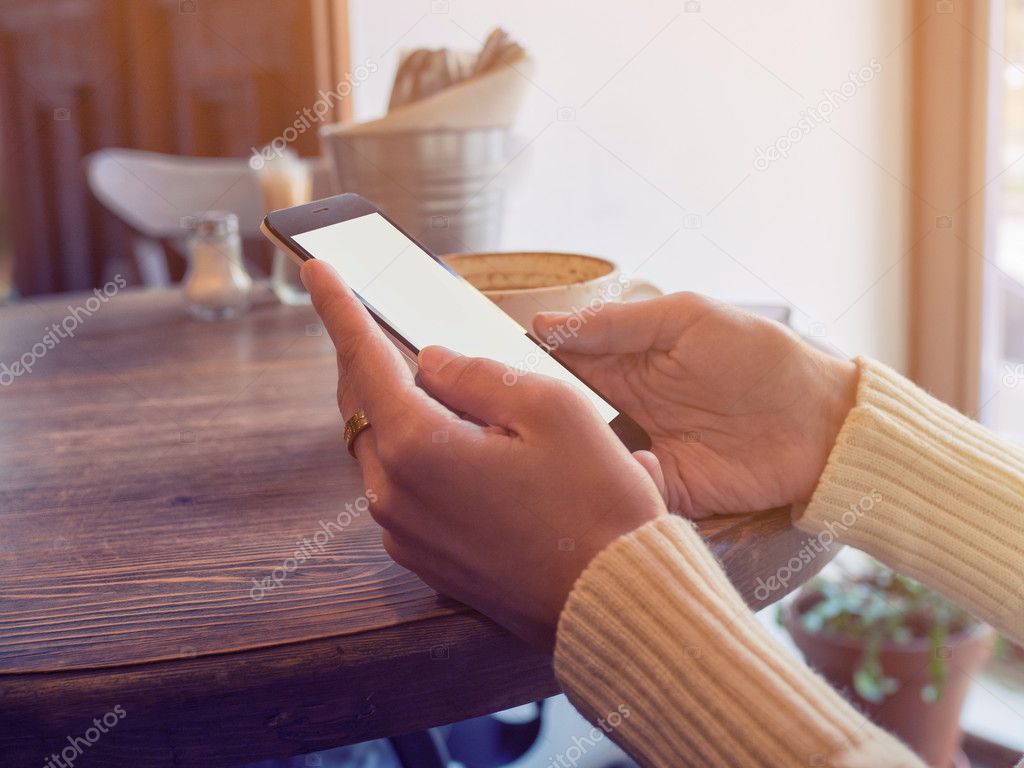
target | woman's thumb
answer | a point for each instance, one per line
(607, 328)
(563, 330)
(475, 386)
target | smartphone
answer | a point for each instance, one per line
(416, 298)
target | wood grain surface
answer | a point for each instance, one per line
(153, 469)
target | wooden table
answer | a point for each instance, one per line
(151, 467)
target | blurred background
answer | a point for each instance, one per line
(637, 138)
(856, 165)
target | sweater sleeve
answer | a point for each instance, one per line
(656, 647)
(930, 493)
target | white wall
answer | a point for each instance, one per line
(670, 107)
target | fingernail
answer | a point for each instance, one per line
(547, 320)
(551, 317)
(434, 358)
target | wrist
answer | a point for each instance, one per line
(831, 389)
(840, 398)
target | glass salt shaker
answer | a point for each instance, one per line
(216, 285)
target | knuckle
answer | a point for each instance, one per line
(402, 441)
(391, 546)
(349, 348)
(399, 447)
(382, 509)
(547, 395)
(471, 370)
(392, 451)
(689, 301)
(396, 551)
(576, 399)
(536, 391)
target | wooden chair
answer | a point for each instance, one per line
(157, 195)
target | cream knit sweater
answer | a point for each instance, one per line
(654, 631)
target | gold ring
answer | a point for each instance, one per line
(353, 427)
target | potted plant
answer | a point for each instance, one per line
(901, 653)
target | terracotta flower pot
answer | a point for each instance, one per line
(931, 729)
(1016, 651)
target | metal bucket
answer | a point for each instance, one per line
(443, 187)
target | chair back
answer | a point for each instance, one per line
(157, 195)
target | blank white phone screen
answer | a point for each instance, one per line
(427, 304)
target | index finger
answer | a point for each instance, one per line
(373, 368)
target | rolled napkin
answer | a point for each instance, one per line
(422, 73)
(454, 90)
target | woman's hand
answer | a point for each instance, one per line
(504, 517)
(742, 413)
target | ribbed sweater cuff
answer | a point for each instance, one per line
(657, 647)
(930, 493)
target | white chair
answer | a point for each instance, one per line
(156, 195)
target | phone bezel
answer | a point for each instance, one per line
(282, 225)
